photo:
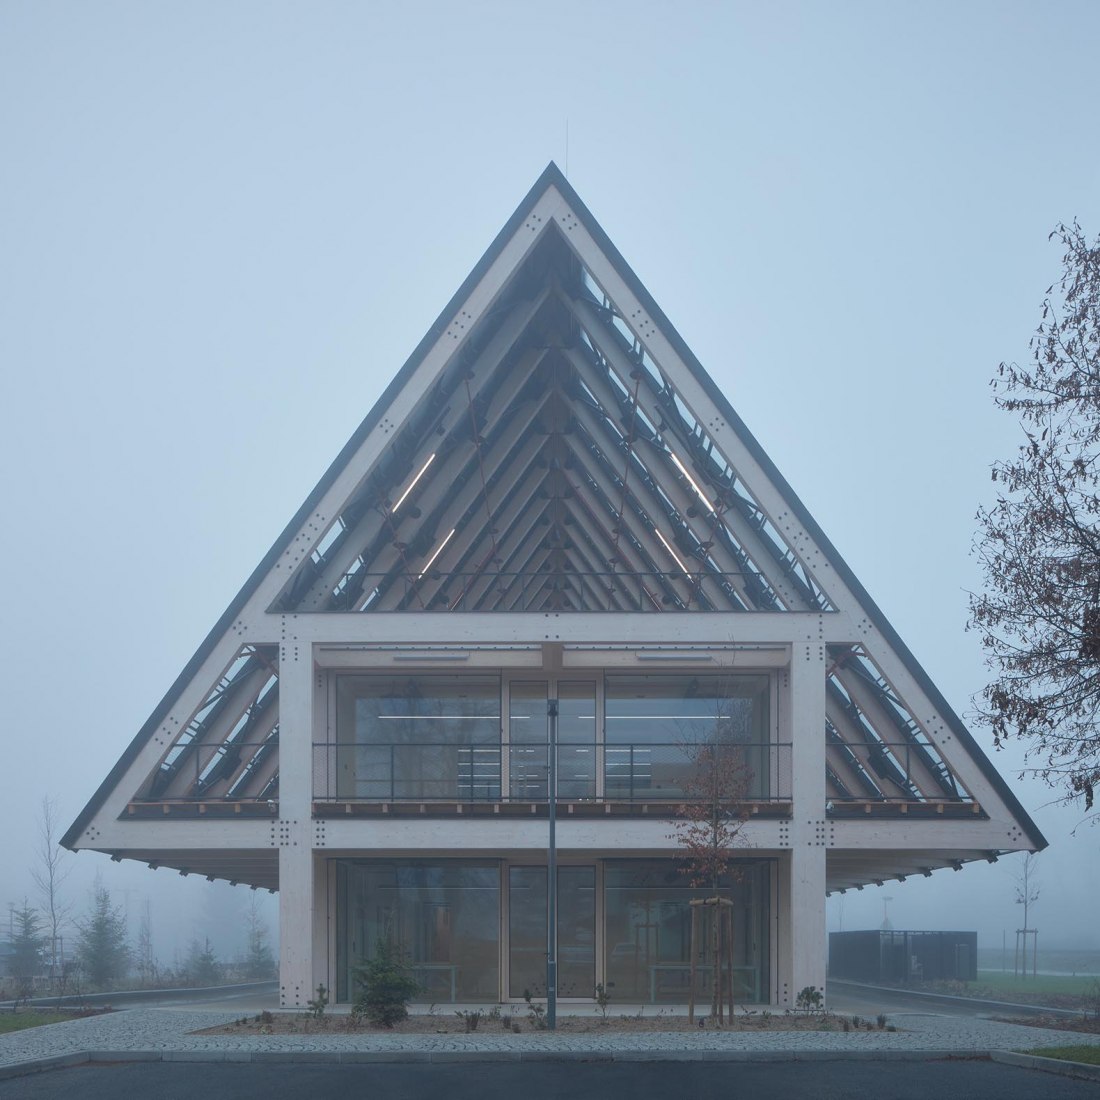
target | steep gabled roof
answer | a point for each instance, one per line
(545, 448)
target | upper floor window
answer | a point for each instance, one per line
(686, 710)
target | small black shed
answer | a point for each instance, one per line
(885, 955)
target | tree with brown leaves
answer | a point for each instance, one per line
(707, 830)
(1039, 543)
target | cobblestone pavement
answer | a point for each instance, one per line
(169, 1034)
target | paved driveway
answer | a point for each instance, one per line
(834, 1080)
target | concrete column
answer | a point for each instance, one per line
(292, 832)
(802, 894)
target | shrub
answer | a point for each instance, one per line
(387, 986)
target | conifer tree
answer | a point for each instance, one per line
(101, 947)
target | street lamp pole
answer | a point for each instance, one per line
(552, 868)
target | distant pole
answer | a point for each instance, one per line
(552, 869)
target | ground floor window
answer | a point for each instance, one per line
(527, 916)
(476, 930)
(444, 916)
(647, 914)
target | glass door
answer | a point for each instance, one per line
(576, 932)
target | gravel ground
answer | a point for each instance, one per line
(171, 1033)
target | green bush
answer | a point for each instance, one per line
(387, 986)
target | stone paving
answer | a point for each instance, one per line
(169, 1034)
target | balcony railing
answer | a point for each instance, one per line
(632, 772)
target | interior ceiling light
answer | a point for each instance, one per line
(675, 556)
(438, 551)
(412, 484)
(691, 481)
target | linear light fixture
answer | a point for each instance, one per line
(438, 551)
(675, 556)
(691, 481)
(412, 484)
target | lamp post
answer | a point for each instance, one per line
(552, 867)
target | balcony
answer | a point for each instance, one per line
(393, 778)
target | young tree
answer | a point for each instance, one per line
(28, 948)
(49, 873)
(1027, 885)
(259, 962)
(711, 819)
(1039, 543)
(1027, 894)
(101, 947)
(707, 830)
(201, 966)
(144, 958)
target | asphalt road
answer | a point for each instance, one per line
(834, 1080)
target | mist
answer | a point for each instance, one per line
(225, 227)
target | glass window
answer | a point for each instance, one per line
(648, 932)
(576, 931)
(444, 916)
(656, 725)
(528, 736)
(431, 737)
(576, 740)
(683, 710)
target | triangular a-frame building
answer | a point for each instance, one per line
(551, 529)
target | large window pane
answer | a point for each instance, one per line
(528, 735)
(528, 738)
(648, 932)
(656, 725)
(445, 916)
(576, 931)
(418, 737)
(576, 739)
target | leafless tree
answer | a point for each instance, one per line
(1039, 544)
(1027, 885)
(49, 872)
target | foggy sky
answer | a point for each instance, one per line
(224, 227)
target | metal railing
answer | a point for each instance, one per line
(216, 771)
(622, 772)
(887, 771)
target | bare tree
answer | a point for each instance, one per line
(1027, 885)
(1039, 544)
(49, 872)
(1027, 894)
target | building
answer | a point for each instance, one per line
(897, 957)
(551, 502)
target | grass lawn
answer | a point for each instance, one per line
(1087, 1054)
(1041, 983)
(17, 1021)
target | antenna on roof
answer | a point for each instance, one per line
(567, 148)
